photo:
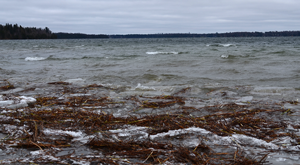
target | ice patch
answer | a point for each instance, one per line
(25, 99)
(34, 153)
(247, 140)
(35, 58)
(180, 131)
(245, 99)
(17, 102)
(59, 132)
(132, 131)
(5, 103)
(83, 139)
(219, 140)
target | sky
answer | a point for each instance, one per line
(153, 16)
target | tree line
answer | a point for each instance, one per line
(15, 31)
(79, 35)
(229, 34)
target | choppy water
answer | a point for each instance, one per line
(244, 71)
(156, 62)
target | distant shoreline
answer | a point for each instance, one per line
(179, 35)
(197, 35)
(16, 31)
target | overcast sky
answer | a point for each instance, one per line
(152, 16)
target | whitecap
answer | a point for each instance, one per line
(143, 88)
(220, 45)
(155, 53)
(75, 81)
(226, 45)
(224, 56)
(35, 58)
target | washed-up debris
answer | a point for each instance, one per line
(78, 127)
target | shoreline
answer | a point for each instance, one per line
(63, 122)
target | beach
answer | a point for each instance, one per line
(150, 101)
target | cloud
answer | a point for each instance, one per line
(153, 16)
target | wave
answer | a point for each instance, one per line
(155, 53)
(144, 88)
(220, 45)
(228, 56)
(35, 58)
(225, 56)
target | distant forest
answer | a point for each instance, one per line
(15, 31)
(79, 35)
(229, 34)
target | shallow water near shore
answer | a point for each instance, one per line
(170, 91)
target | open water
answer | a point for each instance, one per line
(218, 71)
(156, 62)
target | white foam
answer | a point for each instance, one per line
(35, 58)
(272, 90)
(155, 53)
(76, 81)
(226, 45)
(144, 88)
(224, 56)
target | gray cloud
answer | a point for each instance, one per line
(153, 16)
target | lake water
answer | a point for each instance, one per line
(156, 62)
(210, 74)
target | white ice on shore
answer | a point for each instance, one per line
(131, 131)
(16, 102)
(59, 132)
(251, 141)
(78, 136)
(245, 99)
(180, 131)
(234, 140)
(6, 102)
(27, 100)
